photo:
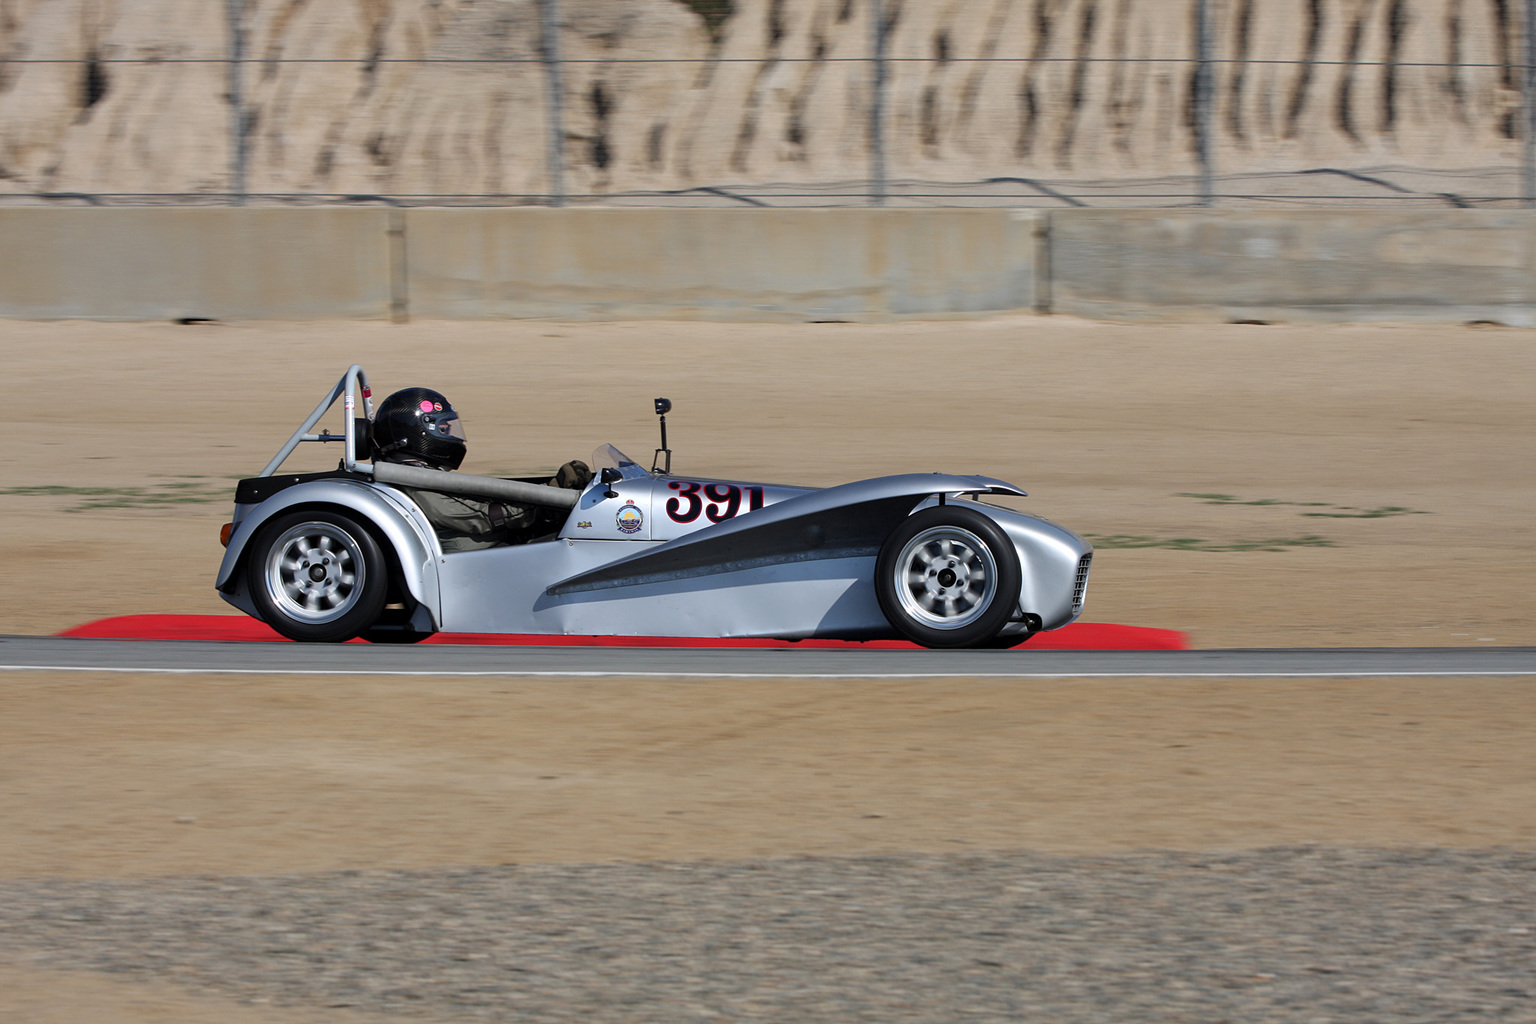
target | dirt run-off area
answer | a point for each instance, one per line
(1250, 485)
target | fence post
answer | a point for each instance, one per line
(236, 15)
(555, 90)
(877, 105)
(1203, 93)
(1528, 105)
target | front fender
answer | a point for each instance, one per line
(396, 518)
(1051, 557)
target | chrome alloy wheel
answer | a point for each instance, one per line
(948, 577)
(315, 572)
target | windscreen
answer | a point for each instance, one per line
(608, 457)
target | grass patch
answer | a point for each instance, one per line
(177, 491)
(1130, 541)
(1368, 513)
(1230, 499)
(1340, 511)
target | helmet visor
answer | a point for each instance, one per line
(443, 424)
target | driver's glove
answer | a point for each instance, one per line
(573, 476)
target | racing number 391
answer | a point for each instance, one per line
(718, 502)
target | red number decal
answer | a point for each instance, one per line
(717, 502)
(722, 494)
(686, 490)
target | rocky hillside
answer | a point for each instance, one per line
(448, 97)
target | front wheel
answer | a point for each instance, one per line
(317, 576)
(948, 576)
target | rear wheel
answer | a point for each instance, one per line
(948, 577)
(317, 576)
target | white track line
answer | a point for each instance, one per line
(695, 674)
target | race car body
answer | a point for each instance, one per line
(644, 552)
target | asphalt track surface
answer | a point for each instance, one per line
(70, 654)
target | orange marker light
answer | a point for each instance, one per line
(224, 532)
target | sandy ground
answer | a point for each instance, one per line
(157, 775)
(32, 996)
(112, 775)
(1378, 483)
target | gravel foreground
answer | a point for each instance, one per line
(1306, 934)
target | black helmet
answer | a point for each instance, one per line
(418, 423)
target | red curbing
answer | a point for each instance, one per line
(1080, 636)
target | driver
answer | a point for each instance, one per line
(419, 427)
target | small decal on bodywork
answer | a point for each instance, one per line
(630, 518)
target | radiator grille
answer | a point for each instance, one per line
(1080, 589)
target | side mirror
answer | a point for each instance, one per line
(663, 406)
(609, 477)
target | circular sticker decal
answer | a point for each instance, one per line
(426, 406)
(630, 518)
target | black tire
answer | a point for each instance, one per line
(317, 576)
(948, 576)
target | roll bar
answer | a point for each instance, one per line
(354, 381)
(347, 387)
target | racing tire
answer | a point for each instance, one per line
(948, 576)
(317, 576)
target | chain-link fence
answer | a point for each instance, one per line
(781, 103)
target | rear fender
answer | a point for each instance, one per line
(397, 520)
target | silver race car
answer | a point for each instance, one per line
(643, 552)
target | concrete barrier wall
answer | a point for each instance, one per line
(1317, 265)
(167, 263)
(842, 264)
